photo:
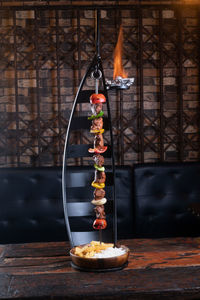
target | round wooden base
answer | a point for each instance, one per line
(99, 270)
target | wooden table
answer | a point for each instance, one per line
(157, 269)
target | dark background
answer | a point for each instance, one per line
(45, 48)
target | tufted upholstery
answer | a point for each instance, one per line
(152, 200)
(163, 194)
(31, 206)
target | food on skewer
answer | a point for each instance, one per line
(99, 194)
(102, 169)
(98, 141)
(100, 176)
(100, 114)
(98, 185)
(99, 200)
(98, 144)
(97, 131)
(97, 101)
(97, 124)
(96, 108)
(99, 224)
(96, 150)
(99, 160)
(100, 213)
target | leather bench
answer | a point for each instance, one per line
(31, 207)
(163, 196)
(153, 200)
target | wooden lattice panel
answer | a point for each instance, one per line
(45, 52)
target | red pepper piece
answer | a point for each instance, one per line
(99, 224)
(96, 150)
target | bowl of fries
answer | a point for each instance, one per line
(83, 257)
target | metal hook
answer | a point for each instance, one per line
(96, 74)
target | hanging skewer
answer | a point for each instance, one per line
(95, 70)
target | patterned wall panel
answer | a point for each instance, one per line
(44, 54)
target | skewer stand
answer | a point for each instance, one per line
(95, 70)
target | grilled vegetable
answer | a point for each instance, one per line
(100, 224)
(96, 150)
(97, 98)
(101, 169)
(99, 202)
(99, 115)
(98, 185)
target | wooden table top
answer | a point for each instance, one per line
(157, 269)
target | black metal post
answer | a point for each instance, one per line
(180, 89)
(97, 32)
(141, 118)
(161, 85)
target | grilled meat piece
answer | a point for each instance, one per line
(100, 177)
(98, 141)
(100, 213)
(99, 194)
(97, 124)
(99, 160)
(96, 108)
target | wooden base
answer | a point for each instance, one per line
(99, 270)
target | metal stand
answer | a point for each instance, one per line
(95, 70)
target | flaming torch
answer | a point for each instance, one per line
(120, 80)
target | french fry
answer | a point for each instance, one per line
(91, 249)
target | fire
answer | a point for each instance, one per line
(118, 68)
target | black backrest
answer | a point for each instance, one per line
(31, 208)
(30, 205)
(163, 194)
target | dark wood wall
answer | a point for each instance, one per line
(45, 51)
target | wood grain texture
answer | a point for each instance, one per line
(157, 269)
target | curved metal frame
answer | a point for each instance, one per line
(96, 65)
(65, 153)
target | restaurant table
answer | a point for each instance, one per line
(157, 269)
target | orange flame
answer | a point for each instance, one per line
(118, 68)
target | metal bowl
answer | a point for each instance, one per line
(100, 264)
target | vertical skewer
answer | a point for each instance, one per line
(96, 86)
(100, 235)
(97, 91)
(97, 37)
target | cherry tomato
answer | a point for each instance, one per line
(97, 98)
(100, 224)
